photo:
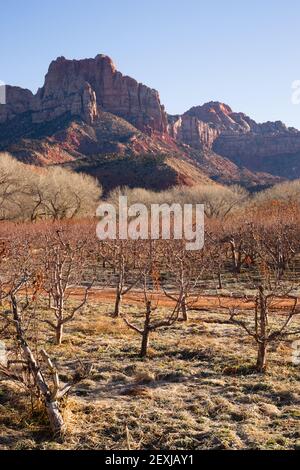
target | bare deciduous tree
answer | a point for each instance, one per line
(32, 374)
(260, 328)
(48, 193)
(150, 324)
(64, 261)
(185, 270)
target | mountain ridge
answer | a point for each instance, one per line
(87, 108)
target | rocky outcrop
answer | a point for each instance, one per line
(121, 117)
(80, 100)
(257, 145)
(214, 126)
(220, 116)
(214, 119)
(18, 100)
(191, 131)
(85, 87)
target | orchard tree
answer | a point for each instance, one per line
(28, 364)
(270, 288)
(185, 270)
(64, 265)
(151, 321)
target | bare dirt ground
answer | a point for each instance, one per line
(196, 390)
(197, 302)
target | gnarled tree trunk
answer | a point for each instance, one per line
(55, 418)
(261, 364)
(184, 309)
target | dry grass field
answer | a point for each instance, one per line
(197, 389)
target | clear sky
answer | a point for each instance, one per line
(246, 54)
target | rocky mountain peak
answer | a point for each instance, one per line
(87, 107)
(210, 112)
(85, 87)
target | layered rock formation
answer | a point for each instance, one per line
(192, 131)
(18, 101)
(214, 126)
(214, 120)
(82, 88)
(86, 108)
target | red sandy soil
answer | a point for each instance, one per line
(202, 302)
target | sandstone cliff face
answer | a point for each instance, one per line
(228, 146)
(85, 87)
(79, 99)
(257, 145)
(191, 131)
(216, 127)
(18, 100)
(220, 116)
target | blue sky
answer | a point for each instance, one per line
(246, 54)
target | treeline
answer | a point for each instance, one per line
(30, 193)
(220, 202)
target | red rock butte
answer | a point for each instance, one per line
(85, 87)
(227, 146)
